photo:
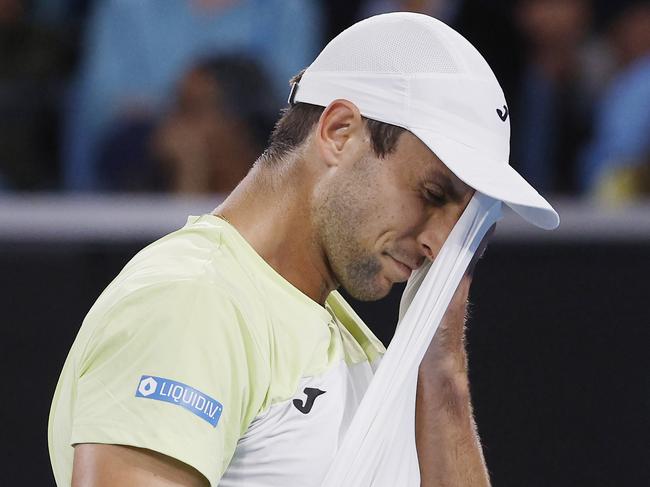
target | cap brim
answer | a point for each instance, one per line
(495, 179)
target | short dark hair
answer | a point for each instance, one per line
(299, 119)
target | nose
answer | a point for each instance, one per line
(431, 238)
(426, 250)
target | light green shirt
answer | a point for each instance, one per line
(201, 351)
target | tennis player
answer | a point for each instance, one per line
(222, 354)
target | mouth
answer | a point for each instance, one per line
(403, 271)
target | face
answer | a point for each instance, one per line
(379, 219)
(204, 147)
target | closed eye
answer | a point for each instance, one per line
(435, 197)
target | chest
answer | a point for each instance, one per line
(293, 442)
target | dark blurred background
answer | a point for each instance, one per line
(119, 117)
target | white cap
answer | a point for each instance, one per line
(413, 71)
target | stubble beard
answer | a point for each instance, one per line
(340, 219)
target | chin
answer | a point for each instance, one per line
(364, 278)
(369, 291)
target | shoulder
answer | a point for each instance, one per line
(196, 262)
(185, 288)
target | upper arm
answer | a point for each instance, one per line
(97, 465)
(176, 370)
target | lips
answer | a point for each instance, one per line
(403, 270)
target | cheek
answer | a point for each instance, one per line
(400, 220)
(379, 207)
(446, 219)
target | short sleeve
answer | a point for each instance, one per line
(174, 368)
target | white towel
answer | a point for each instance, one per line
(378, 449)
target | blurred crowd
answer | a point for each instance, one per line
(179, 96)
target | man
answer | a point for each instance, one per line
(128, 68)
(616, 162)
(222, 354)
(218, 125)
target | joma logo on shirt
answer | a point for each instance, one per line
(171, 391)
(312, 394)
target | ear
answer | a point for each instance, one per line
(341, 135)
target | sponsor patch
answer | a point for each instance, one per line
(173, 392)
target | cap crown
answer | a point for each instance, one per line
(413, 71)
(400, 43)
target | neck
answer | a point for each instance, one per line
(271, 209)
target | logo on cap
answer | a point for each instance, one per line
(503, 114)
